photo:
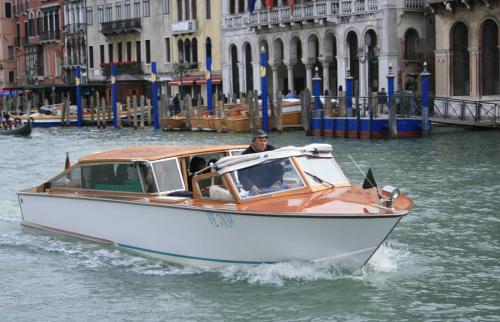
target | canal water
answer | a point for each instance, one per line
(442, 262)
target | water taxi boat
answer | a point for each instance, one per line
(207, 206)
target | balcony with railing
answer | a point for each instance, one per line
(122, 67)
(184, 27)
(117, 27)
(74, 28)
(312, 11)
(413, 5)
(50, 36)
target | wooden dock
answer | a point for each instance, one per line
(487, 124)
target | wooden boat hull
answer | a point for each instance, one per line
(208, 237)
(203, 124)
(173, 123)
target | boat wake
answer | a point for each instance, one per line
(385, 260)
(86, 255)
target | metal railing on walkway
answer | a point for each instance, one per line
(466, 112)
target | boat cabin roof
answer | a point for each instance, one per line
(154, 152)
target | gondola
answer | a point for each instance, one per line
(23, 130)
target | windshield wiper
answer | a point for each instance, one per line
(318, 179)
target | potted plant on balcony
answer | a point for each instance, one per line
(122, 67)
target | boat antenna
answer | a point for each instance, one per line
(367, 177)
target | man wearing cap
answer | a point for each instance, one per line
(259, 143)
(254, 178)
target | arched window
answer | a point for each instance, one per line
(232, 7)
(412, 45)
(460, 59)
(194, 50)
(180, 51)
(187, 51)
(490, 58)
(352, 43)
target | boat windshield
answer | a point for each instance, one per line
(267, 177)
(322, 170)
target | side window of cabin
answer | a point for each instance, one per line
(168, 175)
(111, 177)
(72, 179)
(214, 188)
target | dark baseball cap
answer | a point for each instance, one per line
(260, 134)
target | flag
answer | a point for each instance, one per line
(251, 4)
(269, 4)
(292, 4)
(369, 180)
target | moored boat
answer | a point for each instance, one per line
(293, 203)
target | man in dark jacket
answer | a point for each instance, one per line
(263, 175)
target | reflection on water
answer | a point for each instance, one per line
(441, 262)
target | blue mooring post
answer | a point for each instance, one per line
(79, 108)
(317, 101)
(348, 94)
(263, 82)
(114, 95)
(425, 100)
(208, 77)
(154, 96)
(390, 89)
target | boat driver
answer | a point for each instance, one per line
(254, 179)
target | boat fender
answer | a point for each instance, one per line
(18, 121)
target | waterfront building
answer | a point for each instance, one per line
(360, 37)
(75, 49)
(197, 35)
(37, 45)
(131, 34)
(7, 45)
(467, 53)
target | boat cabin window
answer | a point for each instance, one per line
(267, 177)
(318, 170)
(213, 187)
(71, 179)
(120, 177)
(168, 175)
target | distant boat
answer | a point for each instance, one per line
(51, 115)
(20, 130)
(293, 203)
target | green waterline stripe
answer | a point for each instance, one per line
(193, 257)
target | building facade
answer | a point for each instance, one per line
(75, 46)
(197, 35)
(131, 34)
(7, 45)
(467, 53)
(362, 38)
(38, 44)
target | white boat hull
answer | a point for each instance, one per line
(208, 238)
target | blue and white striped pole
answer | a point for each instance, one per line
(425, 100)
(208, 78)
(154, 89)
(263, 78)
(114, 95)
(79, 109)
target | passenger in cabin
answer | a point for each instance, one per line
(268, 175)
(195, 165)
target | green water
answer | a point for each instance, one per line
(442, 262)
